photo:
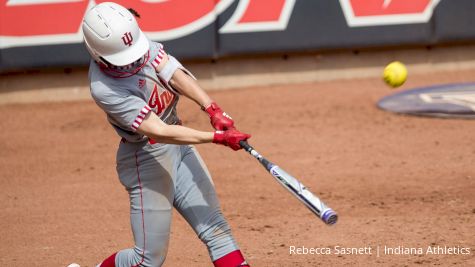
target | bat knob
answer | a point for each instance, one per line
(329, 216)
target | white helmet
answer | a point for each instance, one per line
(112, 33)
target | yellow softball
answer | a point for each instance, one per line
(395, 74)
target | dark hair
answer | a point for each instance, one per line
(134, 12)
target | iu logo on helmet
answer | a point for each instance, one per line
(361, 13)
(127, 38)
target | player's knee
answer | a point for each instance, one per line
(215, 227)
(216, 234)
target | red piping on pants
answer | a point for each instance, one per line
(141, 208)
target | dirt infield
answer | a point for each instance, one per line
(396, 181)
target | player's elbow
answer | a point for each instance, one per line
(152, 126)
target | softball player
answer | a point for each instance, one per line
(138, 85)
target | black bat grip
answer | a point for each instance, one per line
(267, 164)
(245, 145)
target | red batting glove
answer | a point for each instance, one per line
(219, 119)
(230, 138)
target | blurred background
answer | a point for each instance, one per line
(232, 43)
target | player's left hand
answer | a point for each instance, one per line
(219, 119)
(230, 138)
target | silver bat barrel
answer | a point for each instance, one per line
(304, 195)
(294, 186)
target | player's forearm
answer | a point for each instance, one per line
(161, 132)
(188, 87)
(176, 134)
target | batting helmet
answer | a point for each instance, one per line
(113, 36)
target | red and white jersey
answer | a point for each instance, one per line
(127, 99)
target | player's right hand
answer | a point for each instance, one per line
(218, 118)
(230, 138)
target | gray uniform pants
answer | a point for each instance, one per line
(157, 178)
